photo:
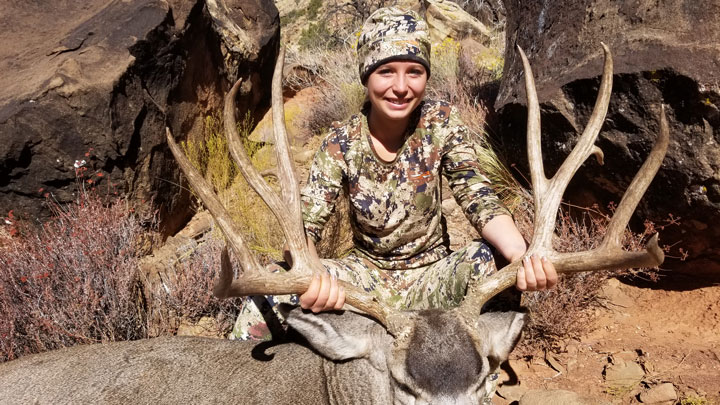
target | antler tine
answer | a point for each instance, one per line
(637, 187)
(213, 204)
(292, 230)
(548, 196)
(254, 281)
(537, 170)
(286, 170)
(609, 255)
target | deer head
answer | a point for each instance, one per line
(431, 356)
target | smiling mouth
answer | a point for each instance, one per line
(397, 101)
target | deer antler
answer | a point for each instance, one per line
(547, 194)
(255, 280)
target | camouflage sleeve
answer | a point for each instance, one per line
(323, 186)
(469, 183)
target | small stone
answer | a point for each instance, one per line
(659, 394)
(511, 392)
(557, 397)
(624, 356)
(554, 363)
(624, 374)
(572, 364)
(612, 294)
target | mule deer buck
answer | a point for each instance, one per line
(377, 357)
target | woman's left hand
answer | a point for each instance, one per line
(536, 274)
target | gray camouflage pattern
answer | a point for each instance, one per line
(392, 33)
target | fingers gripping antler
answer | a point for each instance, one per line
(547, 194)
(255, 280)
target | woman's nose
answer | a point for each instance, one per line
(400, 84)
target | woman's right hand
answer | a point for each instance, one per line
(324, 294)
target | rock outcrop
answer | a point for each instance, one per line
(446, 19)
(491, 13)
(664, 53)
(94, 84)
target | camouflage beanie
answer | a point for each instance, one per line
(391, 34)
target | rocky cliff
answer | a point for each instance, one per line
(93, 84)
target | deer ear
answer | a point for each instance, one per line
(339, 335)
(501, 332)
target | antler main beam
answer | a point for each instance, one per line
(547, 195)
(255, 280)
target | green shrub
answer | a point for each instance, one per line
(313, 8)
(291, 17)
(316, 35)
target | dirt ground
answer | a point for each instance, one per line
(670, 328)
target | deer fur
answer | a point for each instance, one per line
(336, 358)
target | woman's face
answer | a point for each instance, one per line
(396, 88)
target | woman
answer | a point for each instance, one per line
(390, 158)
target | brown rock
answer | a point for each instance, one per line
(624, 374)
(511, 393)
(478, 63)
(447, 19)
(625, 356)
(101, 80)
(557, 397)
(659, 394)
(296, 112)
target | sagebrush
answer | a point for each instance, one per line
(73, 279)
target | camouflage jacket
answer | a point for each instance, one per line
(395, 207)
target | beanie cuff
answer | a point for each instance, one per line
(414, 58)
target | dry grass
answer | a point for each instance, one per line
(335, 73)
(75, 278)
